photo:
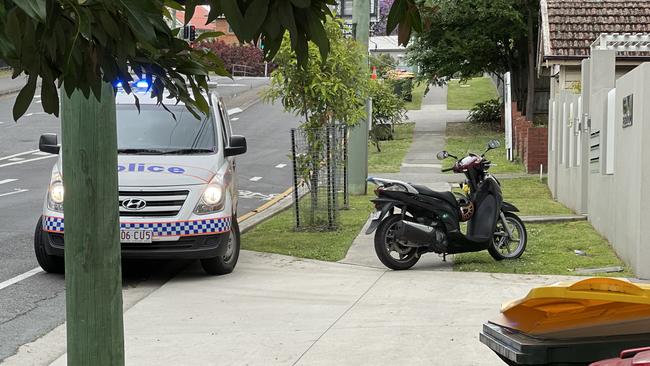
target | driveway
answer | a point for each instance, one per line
(278, 310)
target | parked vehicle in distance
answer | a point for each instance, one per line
(177, 186)
(412, 219)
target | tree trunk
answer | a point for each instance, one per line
(95, 334)
(530, 95)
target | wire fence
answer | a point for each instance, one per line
(320, 174)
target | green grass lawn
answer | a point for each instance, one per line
(532, 197)
(550, 250)
(464, 95)
(467, 137)
(5, 73)
(277, 235)
(392, 152)
(418, 94)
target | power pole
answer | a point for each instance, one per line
(358, 150)
(93, 274)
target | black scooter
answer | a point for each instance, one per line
(412, 219)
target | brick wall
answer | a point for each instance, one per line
(530, 143)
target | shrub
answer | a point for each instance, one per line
(387, 110)
(238, 54)
(486, 112)
(403, 88)
(383, 62)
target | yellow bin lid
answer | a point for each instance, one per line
(590, 307)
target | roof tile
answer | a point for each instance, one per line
(574, 24)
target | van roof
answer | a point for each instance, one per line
(145, 98)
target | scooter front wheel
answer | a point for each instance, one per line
(391, 251)
(506, 246)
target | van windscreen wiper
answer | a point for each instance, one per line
(188, 151)
(141, 151)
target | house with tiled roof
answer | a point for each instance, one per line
(569, 27)
(199, 19)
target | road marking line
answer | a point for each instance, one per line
(16, 159)
(265, 206)
(254, 179)
(37, 101)
(279, 166)
(27, 161)
(7, 181)
(19, 154)
(14, 192)
(234, 111)
(34, 114)
(19, 278)
(42, 153)
(234, 119)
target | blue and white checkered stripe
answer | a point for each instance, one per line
(174, 228)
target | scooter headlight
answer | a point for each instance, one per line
(55, 196)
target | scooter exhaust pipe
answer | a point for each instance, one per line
(418, 235)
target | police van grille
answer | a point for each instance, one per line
(159, 203)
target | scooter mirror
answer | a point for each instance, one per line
(493, 144)
(442, 155)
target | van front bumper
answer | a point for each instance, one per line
(186, 247)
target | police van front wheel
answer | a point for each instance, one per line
(227, 262)
(49, 263)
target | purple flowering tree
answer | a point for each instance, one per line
(379, 27)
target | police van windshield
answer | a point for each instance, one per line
(154, 131)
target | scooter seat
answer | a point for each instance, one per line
(445, 196)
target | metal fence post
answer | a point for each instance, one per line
(296, 195)
(328, 164)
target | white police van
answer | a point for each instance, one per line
(177, 187)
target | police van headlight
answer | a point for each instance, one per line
(55, 196)
(212, 199)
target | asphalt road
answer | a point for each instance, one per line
(33, 306)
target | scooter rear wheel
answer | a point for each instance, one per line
(390, 251)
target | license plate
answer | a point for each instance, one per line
(375, 215)
(136, 235)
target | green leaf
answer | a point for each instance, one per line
(25, 97)
(190, 7)
(235, 18)
(318, 36)
(397, 12)
(174, 5)
(301, 3)
(416, 19)
(34, 8)
(254, 17)
(50, 97)
(215, 12)
(404, 32)
(138, 20)
(208, 35)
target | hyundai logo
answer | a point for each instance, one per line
(134, 204)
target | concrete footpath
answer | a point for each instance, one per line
(420, 166)
(278, 310)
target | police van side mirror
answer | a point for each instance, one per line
(48, 143)
(237, 146)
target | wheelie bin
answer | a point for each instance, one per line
(571, 323)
